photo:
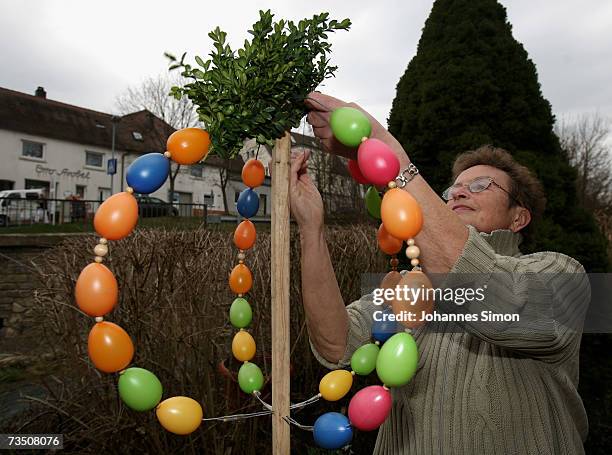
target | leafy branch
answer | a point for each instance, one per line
(258, 91)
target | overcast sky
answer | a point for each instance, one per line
(86, 53)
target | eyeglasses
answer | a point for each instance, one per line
(478, 185)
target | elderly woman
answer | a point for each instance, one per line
(480, 388)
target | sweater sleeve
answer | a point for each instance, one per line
(548, 291)
(360, 331)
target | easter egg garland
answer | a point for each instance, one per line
(394, 356)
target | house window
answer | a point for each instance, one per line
(35, 184)
(6, 185)
(94, 159)
(196, 170)
(80, 191)
(32, 149)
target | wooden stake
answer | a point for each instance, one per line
(281, 162)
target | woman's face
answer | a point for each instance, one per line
(489, 209)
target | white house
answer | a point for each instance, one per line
(66, 150)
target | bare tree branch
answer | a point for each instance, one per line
(588, 144)
(153, 95)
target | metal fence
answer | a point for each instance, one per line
(20, 211)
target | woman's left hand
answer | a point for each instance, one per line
(321, 107)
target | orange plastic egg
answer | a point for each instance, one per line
(189, 145)
(117, 216)
(386, 242)
(422, 305)
(244, 235)
(253, 173)
(390, 281)
(243, 346)
(240, 280)
(110, 347)
(401, 214)
(96, 290)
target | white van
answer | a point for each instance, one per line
(22, 206)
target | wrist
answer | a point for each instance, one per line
(311, 232)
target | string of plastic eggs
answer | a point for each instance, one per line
(110, 347)
(393, 355)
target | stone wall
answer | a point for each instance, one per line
(18, 257)
(16, 288)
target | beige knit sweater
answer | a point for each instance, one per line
(490, 388)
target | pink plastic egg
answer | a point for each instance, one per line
(370, 407)
(377, 162)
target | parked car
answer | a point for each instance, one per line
(151, 206)
(22, 206)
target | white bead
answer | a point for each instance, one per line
(414, 262)
(99, 319)
(98, 259)
(167, 154)
(130, 190)
(413, 252)
(101, 249)
(103, 241)
(410, 242)
(241, 256)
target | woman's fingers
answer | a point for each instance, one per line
(301, 161)
(299, 167)
(321, 102)
(321, 106)
(304, 164)
(318, 119)
(296, 163)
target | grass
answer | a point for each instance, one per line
(171, 223)
(184, 223)
(47, 228)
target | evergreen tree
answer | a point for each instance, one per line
(471, 83)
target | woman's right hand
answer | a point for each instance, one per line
(305, 200)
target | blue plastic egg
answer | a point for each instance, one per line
(248, 203)
(384, 329)
(332, 430)
(148, 173)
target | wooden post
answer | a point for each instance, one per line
(281, 162)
